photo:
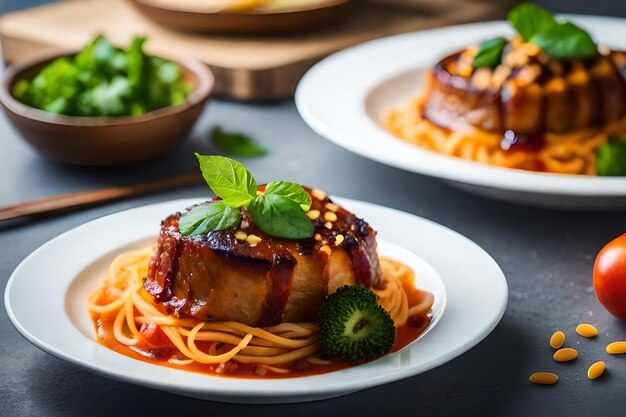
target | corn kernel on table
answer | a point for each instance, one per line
(546, 255)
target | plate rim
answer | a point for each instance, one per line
(236, 395)
(425, 161)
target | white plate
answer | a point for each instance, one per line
(344, 96)
(46, 301)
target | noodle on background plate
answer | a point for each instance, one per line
(124, 314)
(565, 153)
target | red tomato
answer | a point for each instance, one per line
(609, 277)
(151, 337)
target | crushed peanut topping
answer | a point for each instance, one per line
(313, 214)
(241, 235)
(332, 207)
(244, 224)
(328, 225)
(330, 216)
(319, 194)
(339, 240)
(253, 240)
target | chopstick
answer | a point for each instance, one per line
(85, 198)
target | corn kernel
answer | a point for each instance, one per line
(241, 235)
(596, 370)
(328, 225)
(253, 239)
(318, 237)
(332, 206)
(586, 330)
(339, 240)
(565, 355)
(319, 194)
(330, 216)
(543, 378)
(616, 348)
(313, 214)
(557, 340)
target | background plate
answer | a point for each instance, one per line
(366, 80)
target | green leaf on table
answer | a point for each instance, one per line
(229, 179)
(207, 218)
(292, 191)
(490, 53)
(236, 144)
(281, 217)
(611, 158)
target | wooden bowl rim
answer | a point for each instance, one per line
(329, 5)
(204, 86)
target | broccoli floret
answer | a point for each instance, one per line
(353, 326)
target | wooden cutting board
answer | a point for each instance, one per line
(245, 67)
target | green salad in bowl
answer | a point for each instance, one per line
(104, 80)
(104, 104)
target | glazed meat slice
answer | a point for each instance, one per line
(219, 277)
(529, 96)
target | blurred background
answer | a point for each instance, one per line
(599, 7)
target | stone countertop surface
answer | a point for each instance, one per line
(546, 255)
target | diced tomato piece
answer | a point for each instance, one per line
(151, 337)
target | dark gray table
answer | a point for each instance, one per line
(546, 255)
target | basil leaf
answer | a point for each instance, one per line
(611, 158)
(208, 218)
(292, 191)
(560, 40)
(565, 41)
(529, 19)
(490, 53)
(236, 144)
(279, 216)
(228, 179)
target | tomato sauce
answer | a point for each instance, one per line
(104, 331)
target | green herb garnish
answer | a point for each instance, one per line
(611, 158)
(560, 40)
(236, 144)
(290, 190)
(279, 216)
(207, 218)
(280, 211)
(103, 80)
(228, 179)
(490, 53)
(529, 19)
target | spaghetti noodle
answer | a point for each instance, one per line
(563, 153)
(129, 321)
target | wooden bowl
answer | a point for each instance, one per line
(253, 22)
(105, 141)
